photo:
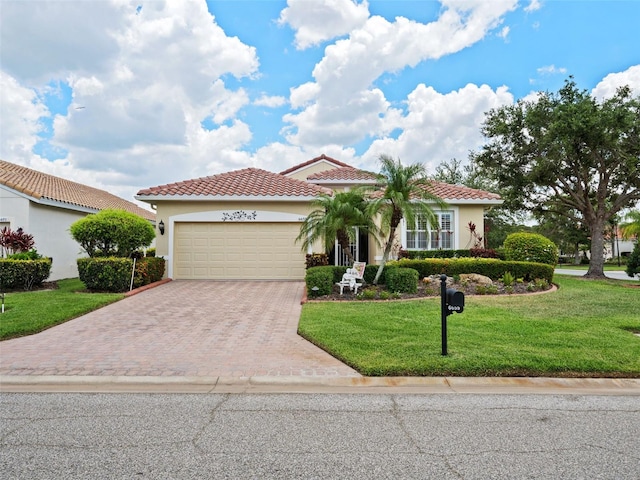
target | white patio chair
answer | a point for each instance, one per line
(353, 278)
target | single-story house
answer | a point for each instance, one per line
(243, 224)
(45, 206)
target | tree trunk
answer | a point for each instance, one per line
(344, 241)
(385, 255)
(576, 255)
(596, 264)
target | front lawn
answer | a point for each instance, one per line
(585, 329)
(31, 312)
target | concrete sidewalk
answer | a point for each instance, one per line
(302, 384)
(614, 274)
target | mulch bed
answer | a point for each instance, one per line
(432, 289)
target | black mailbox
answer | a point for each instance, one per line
(455, 301)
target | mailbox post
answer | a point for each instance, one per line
(451, 300)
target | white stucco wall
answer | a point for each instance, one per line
(49, 227)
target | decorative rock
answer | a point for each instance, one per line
(475, 278)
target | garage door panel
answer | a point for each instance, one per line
(238, 251)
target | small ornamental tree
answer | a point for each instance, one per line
(112, 233)
(530, 247)
(14, 241)
(633, 263)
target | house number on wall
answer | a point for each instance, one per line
(239, 215)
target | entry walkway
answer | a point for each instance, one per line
(182, 328)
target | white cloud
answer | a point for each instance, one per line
(533, 6)
(320, 20)
(551, 70)
(146, 81)
(342, 106)
(504, 33)
(62, 37)
(271, 101)
(609, 84)
(20, 111)
(438, 127)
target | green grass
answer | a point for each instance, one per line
(585, 329)
(27, 313)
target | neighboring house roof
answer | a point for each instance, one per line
(248, 183)
(321, 158)
(47, 189)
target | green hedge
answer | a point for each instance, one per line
(24, 274)
(489, 267)
(333, 274)
(112, 274)
(320, 277)
(530, 247)
(148, 270)
(420, 254)
(402, 280)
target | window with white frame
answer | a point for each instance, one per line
(424, 237)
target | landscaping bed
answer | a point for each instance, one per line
(430, 287)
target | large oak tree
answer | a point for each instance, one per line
(567, 153)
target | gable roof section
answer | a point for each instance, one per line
(343, 175)
(248, 183)
(321, 159)
(50, 190)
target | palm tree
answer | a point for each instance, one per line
(403, 194)
(632, 227)
(334, 217)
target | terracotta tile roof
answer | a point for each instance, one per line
(457, 193)
(249, 182)
(337, 163)
(343, 173)
(447, 191)
(40, 186)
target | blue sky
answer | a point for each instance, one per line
(127, 95)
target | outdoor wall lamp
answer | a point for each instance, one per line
(161, 227)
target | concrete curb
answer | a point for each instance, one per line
(135, 291)
(286, 384)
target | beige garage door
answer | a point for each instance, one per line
(238, 251)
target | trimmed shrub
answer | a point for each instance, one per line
(321, 277)
(418, 254)
(151, 252)
(109, 274)
(112, 233)
(489, 267)
(530, 247)
(24, 274)
(317, 260)
(148, 270)
(403, 280)
(113, 274)
(483, 253)
(633, 262)
(30, 255)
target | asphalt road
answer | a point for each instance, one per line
(180, 436)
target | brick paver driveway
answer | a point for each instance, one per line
(182, 328)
